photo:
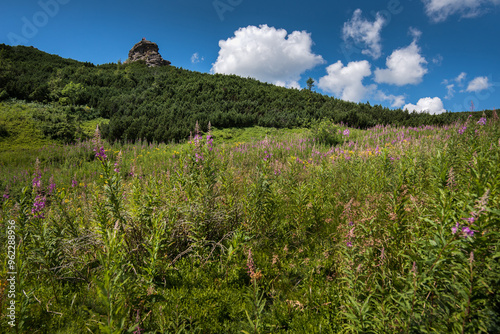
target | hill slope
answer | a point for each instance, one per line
(163, 103)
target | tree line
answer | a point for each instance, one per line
(163, 104)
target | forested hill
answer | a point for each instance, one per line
(163, 103)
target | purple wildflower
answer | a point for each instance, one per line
(98, 148)
(38, 206)
(117, 163)
(197, 139)
(349, 244)
(467, 231)
(52, 185)
(37, 175)
(198, 157)
(138, 320)
(482, 121)
(100, 153)
(74, 183)
(37, 180)
(210, 142)
(471, 220)
(462, 130)
(250, 264)
(346, 132)
(268, 156)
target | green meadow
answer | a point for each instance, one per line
(330, 229)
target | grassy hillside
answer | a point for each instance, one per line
(18, 128)
(163, 104)
(29, 127)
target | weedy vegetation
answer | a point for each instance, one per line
(328, 230)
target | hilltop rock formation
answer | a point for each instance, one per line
(147, 51)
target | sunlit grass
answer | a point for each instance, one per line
(265, 231)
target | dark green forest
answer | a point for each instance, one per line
(162, 104)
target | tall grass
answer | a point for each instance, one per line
(391, 230)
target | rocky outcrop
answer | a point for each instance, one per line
(147, 51)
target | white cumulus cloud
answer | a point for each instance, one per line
(478, 84)
(362, 31)
(267, 54)
(460, 78)
(404, 66)
(451, 91)
(346, 82)
(396, 100)
(428, 105)
(439, 10)
(437, 60)
(450, 84)
(415, 33)
(195, 58)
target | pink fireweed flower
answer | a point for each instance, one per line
(37, 181)
(138, 320)
(197, 139)
(467, 232)
(117, 163)
(482, 121)
(100, 153)
(210, 142)
(52, 185)
(268, 156)
(37, 175)
(38, 206)
(346, 132)
(198, 157)
(250, 264)
(471, 219)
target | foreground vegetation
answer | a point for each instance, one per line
(336, 230)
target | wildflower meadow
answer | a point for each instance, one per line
(330, 230)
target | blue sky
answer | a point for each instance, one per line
(431, 55)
